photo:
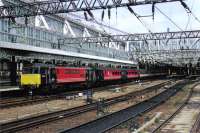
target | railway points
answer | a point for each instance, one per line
(72, 64)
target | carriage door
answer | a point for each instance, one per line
(91, 76)
(44, 75)
(124, 75)
(99, 75)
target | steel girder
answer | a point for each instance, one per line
(134, 37)
(166, 46)
(65, 6)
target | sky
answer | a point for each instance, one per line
(127, 22)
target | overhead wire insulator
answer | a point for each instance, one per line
(109, 13)
(102, 15)
(86, 17)
(153, 10)
(90, 13)
(185, 6)
(130, 9)
(26, 21)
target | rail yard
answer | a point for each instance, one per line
(99, 66)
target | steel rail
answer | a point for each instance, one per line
(37, 120)
(108, 122)
(176, 112)
(196, 126)
(25, 101)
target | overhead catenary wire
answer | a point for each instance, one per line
(137, 16)
(169, 18)
(188, 10)
(189, 15)
(195, 17)
(170, 21)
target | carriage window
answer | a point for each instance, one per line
(72, 72)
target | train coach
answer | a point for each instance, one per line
(50, 76)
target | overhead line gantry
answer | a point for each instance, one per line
(135, 37)
(66, 6)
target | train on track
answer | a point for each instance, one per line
(50, 76)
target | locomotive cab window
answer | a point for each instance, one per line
(43, 70)
(35, 70)
(28, 70)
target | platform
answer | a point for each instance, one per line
(4, 82)
(152, 74)
(24, 47)
(9, 88)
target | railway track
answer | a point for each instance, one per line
(8, 103)
(41, 119)
(108, 122)
(196, 126)
(176, 112)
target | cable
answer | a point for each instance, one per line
(137, 16)
(169, 19)
(195, 17)
(189, 15)
(188, 10)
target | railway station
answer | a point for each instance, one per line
(100, 66)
